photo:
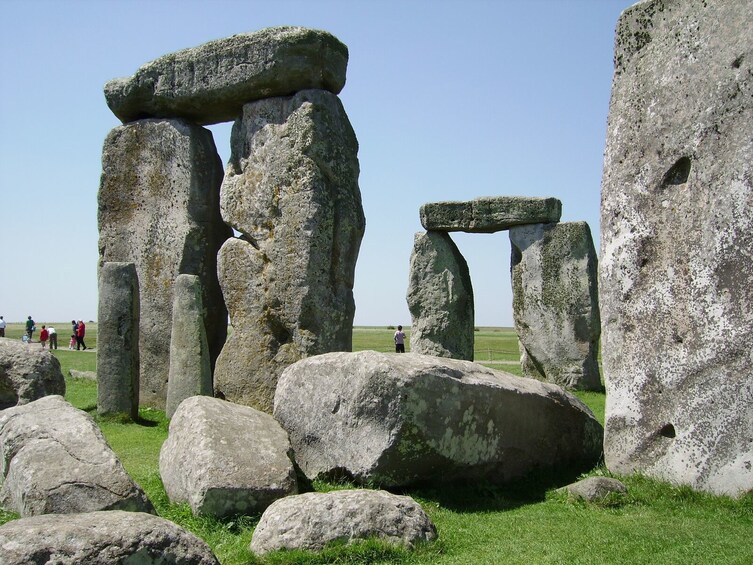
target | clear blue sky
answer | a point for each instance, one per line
(450, 100)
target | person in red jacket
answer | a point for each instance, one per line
(80, 333)
(43, 335)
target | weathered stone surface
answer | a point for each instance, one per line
(27, 373)
(489, 214)
(190, 365)
(440, 298)
(101, 538)
(310, 521)
(118, 340)
(398, 419)
(676, 245)
(556, 303)
(210, 83)
(88, 375)
(55, 460)
(594, 489)
(224, 459)
(159, 209)
(291, 189)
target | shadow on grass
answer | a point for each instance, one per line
(484, 496)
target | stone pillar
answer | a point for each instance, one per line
(190, 367)
(118, 340)
(291, 190)
(440, 298)
(159, 208)
(556, 303)
(676, 245)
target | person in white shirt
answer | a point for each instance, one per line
(2, 327)
(399, 340)
(53, 338)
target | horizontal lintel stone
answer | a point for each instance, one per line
(211, 83)
(489, 214)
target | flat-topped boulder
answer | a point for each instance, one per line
(310, 521)
(398, 419)
(101, 538)
(211, 83)
(489, 214)
(55, 460)
(27, 373)
(225, 459)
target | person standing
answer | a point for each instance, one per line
(73, 327)
(30, 328)
(80, 333)
(43, 335)
(400, 340)
(53, 338)
(2, 327)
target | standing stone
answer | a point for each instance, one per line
(440, 298)
(556, 303)
(190, 367)
(212, 82)
(159, 209)
(677, 240)
(489, 214)
(291, 189)
(118, 340)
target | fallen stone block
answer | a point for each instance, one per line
(101, 538)
(55, 460)
(400, 419)
(225, 459)
(27, 373)
(310, 521)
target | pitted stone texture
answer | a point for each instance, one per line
(190, 365)
(291, 189)
(399, 419)
(489, 214)
(101, 538)
(27, 373)
(211, 83)
(55, 460)
(159, 209)
(225, 459)
(556, 303)
(118, 340)
(677, 240)
(310, 521)
(440, 298)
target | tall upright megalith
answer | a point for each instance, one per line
(118, 340)
(676, 245)
(291, 190)
(158, 207)
(440, 298)
(190, 365)
(556, 303)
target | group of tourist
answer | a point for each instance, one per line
(50, 335)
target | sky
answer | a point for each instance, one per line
(450, 100)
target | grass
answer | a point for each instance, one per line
(526, 522)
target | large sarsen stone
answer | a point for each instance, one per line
(556, 303)
(210, 83)
(676, 245)
(101, 538)
(27, 374)
(291, 189)
(489, 214)
(159, 209)
(397, 419)
(55, 460)
(440, 298)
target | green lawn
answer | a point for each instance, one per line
(521, 523)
